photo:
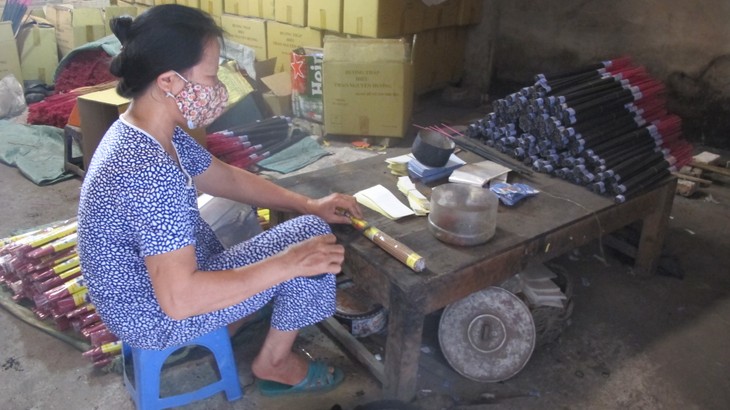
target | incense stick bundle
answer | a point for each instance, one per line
(605, 126)
(42, 267)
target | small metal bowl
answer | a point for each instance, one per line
(432, 148)
(462, 215)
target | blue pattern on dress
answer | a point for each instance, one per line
(135, 202)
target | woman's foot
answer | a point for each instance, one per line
(276, 362)
(290, 370)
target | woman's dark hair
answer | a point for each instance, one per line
(163, 38)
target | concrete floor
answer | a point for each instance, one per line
(639, 343)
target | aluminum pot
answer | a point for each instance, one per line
(432, 149)
(462, 214)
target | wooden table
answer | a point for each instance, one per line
(562, 217)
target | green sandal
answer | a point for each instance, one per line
(318, 379)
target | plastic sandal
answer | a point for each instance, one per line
(318, 379)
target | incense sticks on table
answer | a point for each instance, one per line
(605, 126)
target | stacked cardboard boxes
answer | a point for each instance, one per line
(431, 43)
(75, 26)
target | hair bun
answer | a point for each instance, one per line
(120, 26)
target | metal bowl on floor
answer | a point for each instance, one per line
(356, 312)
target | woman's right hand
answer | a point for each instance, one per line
(315, 256)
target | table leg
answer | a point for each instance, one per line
(403, 348)
(653, 230)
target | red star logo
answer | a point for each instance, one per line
(298, 68)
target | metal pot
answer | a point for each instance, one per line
(432, 148)
(463, 214)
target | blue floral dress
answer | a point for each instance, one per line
(135, 202)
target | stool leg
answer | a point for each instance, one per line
(222, 351)
(147, 380)
(229, 371)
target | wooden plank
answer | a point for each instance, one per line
(402, 348)
(653, 229)
(363, 355)
(691, 178)
(711, 168)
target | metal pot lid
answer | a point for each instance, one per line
(488, 336)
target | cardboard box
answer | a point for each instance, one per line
(306, 83)
(161, 2)
(75, 26)
(368, 86)
(116, 11)
(291, 12)
(278, 97)
(325, 15)
(212, 7)
(141, 8)
(382, 18)
(38, 51)
(9, 61)
(98, 110)
(190, 3)
(444, 14)
(248, 31)
(282, 38)
(144, 2)
(264, 9)
(236, 7)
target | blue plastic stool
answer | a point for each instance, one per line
(145, 390)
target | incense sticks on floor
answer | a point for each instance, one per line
(41, 268)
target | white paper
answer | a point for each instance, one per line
(381, 200)
(417, 201)
(480, 173)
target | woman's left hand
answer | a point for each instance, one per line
(330, 208)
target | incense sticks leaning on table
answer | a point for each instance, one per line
(604, 126)
(245, 145)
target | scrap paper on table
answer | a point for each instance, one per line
(381, 200)
(417, 201)
(480, 173)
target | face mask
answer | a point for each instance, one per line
(200, 104)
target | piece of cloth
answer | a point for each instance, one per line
(36, 150)
(295, 157)
(136, 201)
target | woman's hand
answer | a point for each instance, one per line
(330, 208)
(315, 256)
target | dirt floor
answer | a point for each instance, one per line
(631, 342)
